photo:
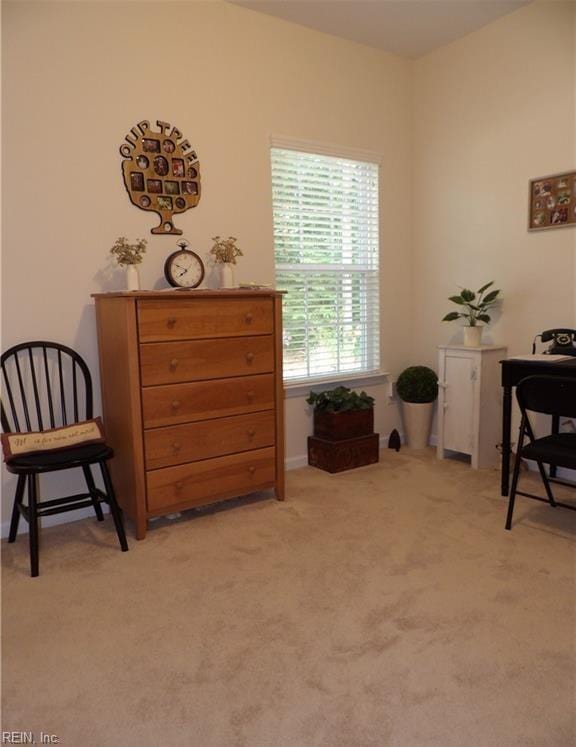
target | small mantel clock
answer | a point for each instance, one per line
(184, 268)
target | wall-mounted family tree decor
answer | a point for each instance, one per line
(161, 172)
(553, 201)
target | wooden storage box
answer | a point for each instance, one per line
(338, 456)
(338, 426)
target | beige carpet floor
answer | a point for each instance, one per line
(383, 606)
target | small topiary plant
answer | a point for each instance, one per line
(417, 384)
(340, 399)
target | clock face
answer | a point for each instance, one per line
(184, 269)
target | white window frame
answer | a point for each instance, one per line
(295, 387)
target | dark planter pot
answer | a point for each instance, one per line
(339, 426)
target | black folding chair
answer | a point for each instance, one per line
(48, 385)
(551, 395)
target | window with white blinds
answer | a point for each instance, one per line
(326, 249)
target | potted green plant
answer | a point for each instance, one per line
(341, 413)
(474, 307)
(417, 387)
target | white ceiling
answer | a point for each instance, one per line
(409, 28)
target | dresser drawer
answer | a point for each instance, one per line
(172, 362)
(203, 400)
(210, 480)
(192, 442)
(198, 318)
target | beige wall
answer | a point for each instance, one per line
(491, 111)
(77, 76)
(461, 131)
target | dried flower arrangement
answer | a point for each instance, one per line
(128, 254)
(225, 250)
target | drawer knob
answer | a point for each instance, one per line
(250, 396)
(174, 364)
(251, 469)
(249, 317)
(251, 433)
(249, 357)
(176, 446)
(175, 404)
(171, 322)
(178, 486)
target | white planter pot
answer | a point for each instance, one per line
(473, 337)
(132, 278)
(417, 418)
(227, 275)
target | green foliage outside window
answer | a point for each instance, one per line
(322, 230)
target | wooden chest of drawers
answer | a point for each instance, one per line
(192, 396)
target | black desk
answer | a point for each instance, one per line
(512, 372)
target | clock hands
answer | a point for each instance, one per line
(184, 269)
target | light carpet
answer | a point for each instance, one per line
(382, 606)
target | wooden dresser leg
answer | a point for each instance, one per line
(141, 527)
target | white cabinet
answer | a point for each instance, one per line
(470, 402)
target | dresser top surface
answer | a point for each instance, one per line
(172, 293)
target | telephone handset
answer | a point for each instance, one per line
(563, 341)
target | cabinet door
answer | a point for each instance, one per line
(459, 404)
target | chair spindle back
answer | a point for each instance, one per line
(45, 385)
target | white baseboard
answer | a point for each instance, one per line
(52, 521)
(566, 474)
(562, 474)
(296, 462)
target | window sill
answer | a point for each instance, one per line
(301, 388)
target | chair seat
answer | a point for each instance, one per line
(558, 449)
(49, 461)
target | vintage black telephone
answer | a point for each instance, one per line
(563, 341)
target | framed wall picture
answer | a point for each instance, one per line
(161, 172)
(552, 201)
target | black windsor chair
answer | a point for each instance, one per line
(551, 395)
(48, 385)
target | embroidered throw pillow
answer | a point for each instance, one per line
(55, 439)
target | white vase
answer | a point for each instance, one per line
(473, 336)
(132, 278)
(227, 275)
(417, 417)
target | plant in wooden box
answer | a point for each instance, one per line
(475, 307)
(341, 413)
(344, 435)
(417, 387)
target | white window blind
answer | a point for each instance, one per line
(326, 249)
